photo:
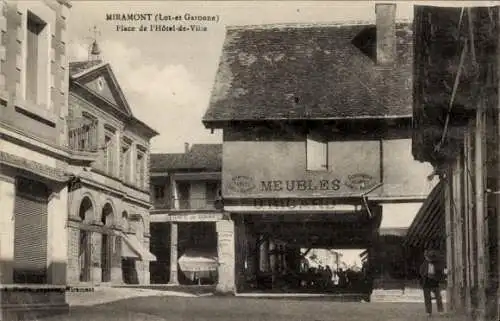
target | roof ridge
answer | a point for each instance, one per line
(286, 25)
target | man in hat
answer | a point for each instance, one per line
(431, 275)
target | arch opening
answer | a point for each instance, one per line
(106, 243)
(86, 212)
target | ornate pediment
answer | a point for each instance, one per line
(101, 82)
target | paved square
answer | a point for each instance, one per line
(245, 309)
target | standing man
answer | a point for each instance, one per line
(431, 275)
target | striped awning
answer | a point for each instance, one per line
(428, 227)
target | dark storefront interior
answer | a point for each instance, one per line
(196, 239)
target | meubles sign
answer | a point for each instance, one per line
(247, 185)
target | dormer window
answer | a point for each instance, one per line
(37, 73)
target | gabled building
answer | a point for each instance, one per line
(186, 205)
(316, 124)
(33, 157)
(109, 200)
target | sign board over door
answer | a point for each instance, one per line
(279, 170)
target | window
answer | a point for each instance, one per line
(125, 161)
(183, 190)
(140, 169)
(212, 192)
(84, 136)
(316, 154)
(159, 192)
(108, 154)
(37, 60)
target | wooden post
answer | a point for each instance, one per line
(174, 234)
(479, 169)
(457, 209)
(447, 190)
(497, 142)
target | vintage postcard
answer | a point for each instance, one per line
(249, 160)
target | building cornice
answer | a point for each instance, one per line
(36, 143)
(118, 192)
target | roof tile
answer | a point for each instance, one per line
(199, 157)
(313, 72)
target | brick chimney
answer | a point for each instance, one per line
(186, 147)
(386, 33)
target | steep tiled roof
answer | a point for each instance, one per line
(309, 72)
(200, 156)
(167, 161)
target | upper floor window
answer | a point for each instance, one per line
(212, 191)
(109, 151)
(316, 154)
(125, 160)
(159, 192)
(83, 136)
(37, 74)
(141, 168)
(184, 195)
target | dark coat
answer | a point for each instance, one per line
(428, 281)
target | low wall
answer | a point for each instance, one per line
(29, 302)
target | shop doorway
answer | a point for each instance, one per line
(30, 231)
(129, 271)
(106, 250)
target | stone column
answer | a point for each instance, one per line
(73, 270)
(227, 255)
(57, 237)
(146, 274)
(7, 195)
(264, 255)
(174, 235)
(95, 254)
(116, 259)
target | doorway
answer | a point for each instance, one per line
(129, 272)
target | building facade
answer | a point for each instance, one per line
(186, 191)
(457, 131)
(33, 154)
(109, 201)
(316, 142)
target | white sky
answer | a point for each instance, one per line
(167, 77)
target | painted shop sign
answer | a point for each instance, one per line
(354, 182)
(208, 217)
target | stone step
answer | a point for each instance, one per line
(408, 295)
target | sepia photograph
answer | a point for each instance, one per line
(249, 160)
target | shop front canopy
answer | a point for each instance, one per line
(198, 261)
(428, 227)
(132, 248)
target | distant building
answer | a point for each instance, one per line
(186, 194)
(109, 199)
(316, 124)
(33, 154)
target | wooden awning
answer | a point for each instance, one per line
(428, 227)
